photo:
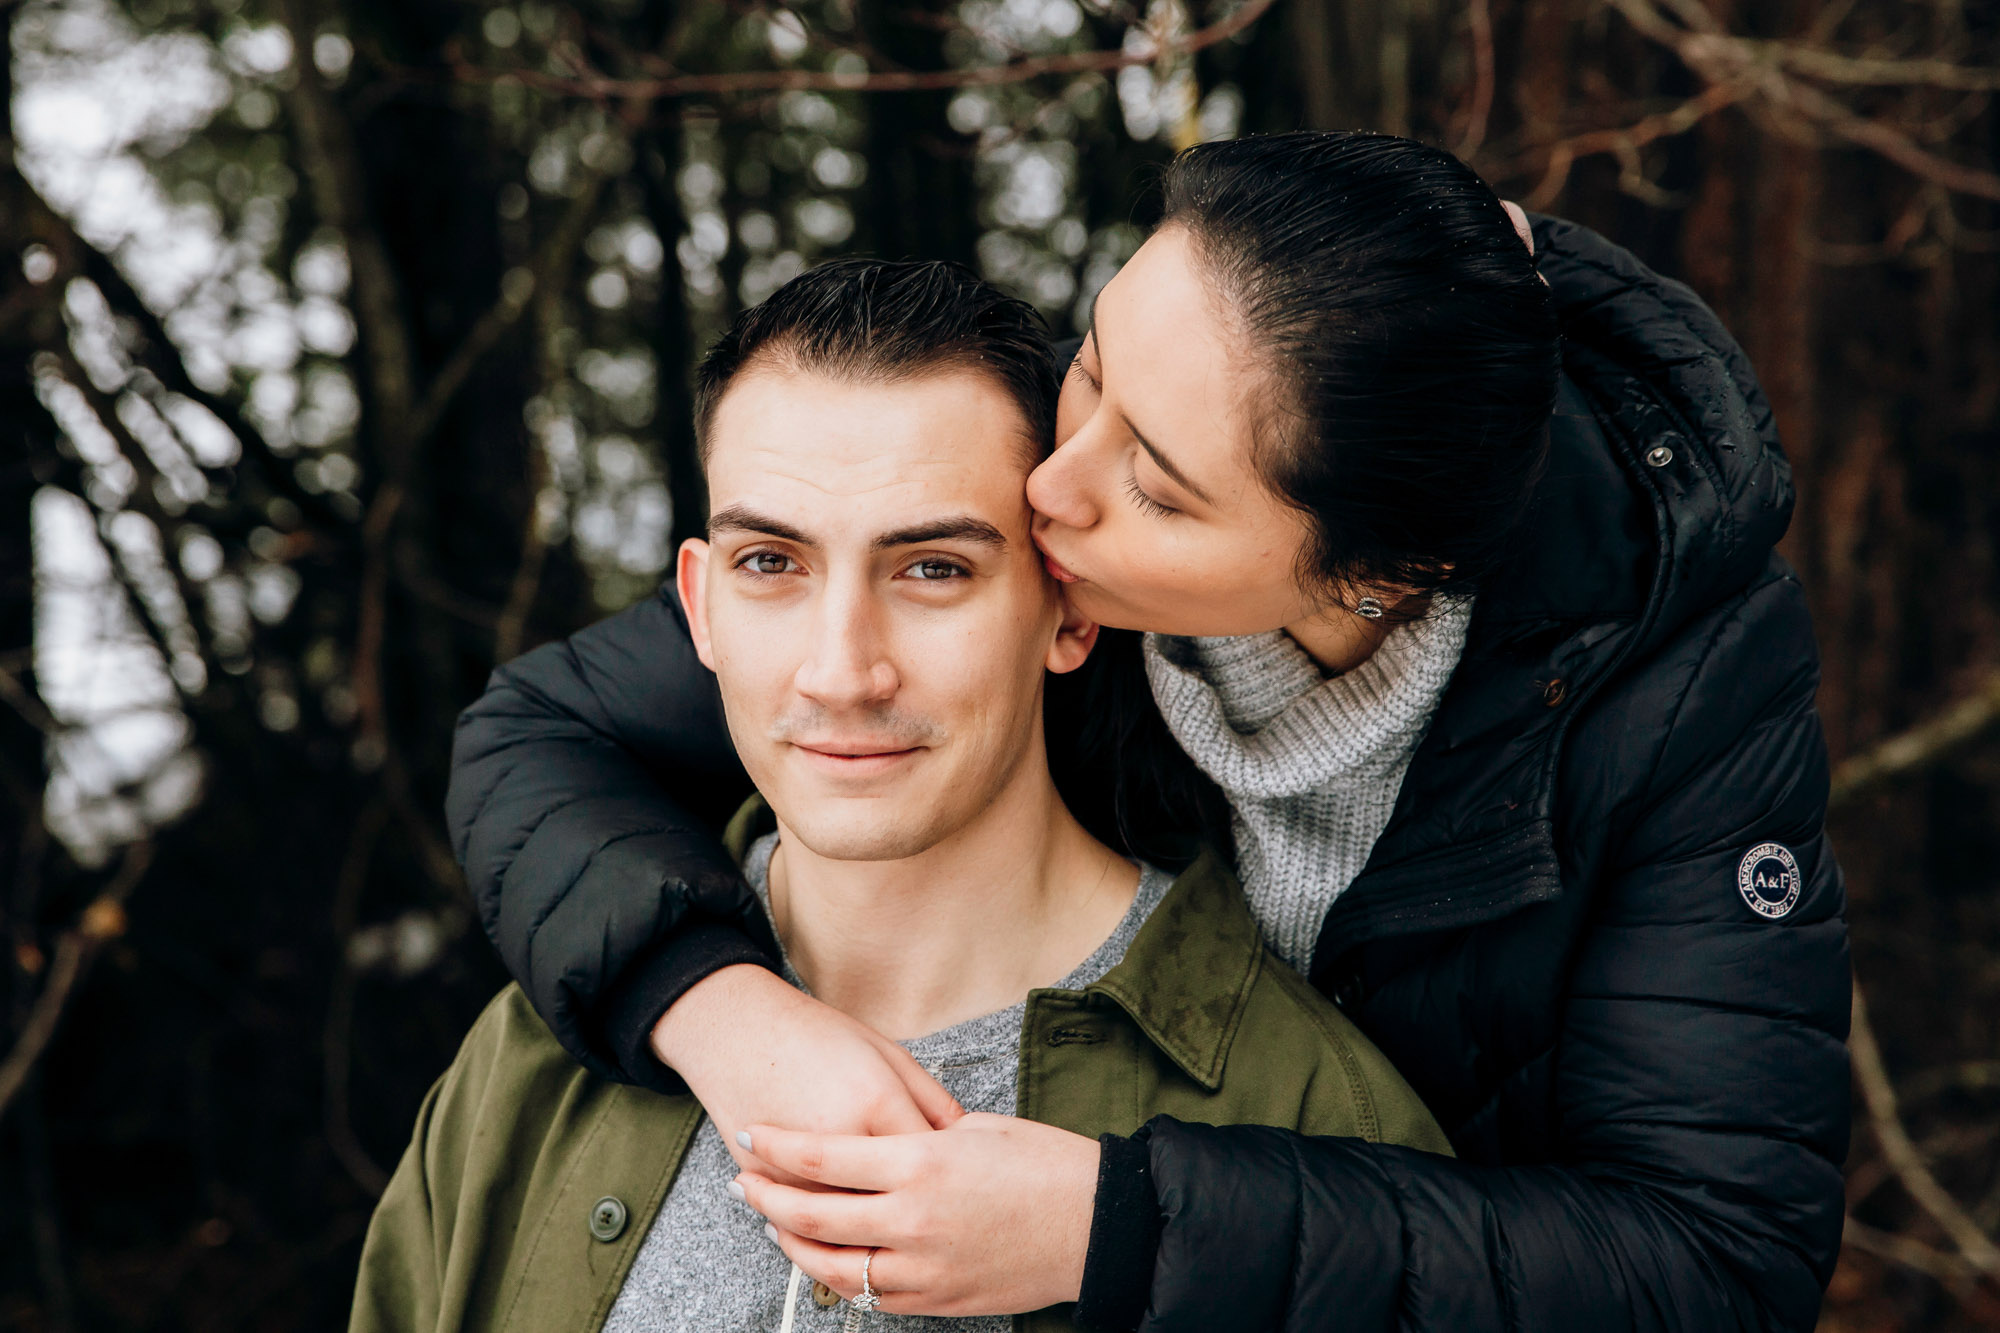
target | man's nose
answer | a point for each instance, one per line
(846, 665)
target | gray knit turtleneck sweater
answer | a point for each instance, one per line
(1311, 765)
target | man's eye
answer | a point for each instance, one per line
(934, 570)
(767, 562)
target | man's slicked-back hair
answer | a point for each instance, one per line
(887, 320)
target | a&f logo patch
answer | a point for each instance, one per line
(1768, 879)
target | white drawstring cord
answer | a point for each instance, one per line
(791, 1299)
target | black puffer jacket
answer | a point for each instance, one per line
(1602, 934)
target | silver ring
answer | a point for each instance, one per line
(868, 1301)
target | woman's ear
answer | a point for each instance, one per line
(691, 582)
(1075, 637)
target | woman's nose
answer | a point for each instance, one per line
(1058, 489)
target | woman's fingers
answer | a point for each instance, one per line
(940, 1109)
(827, 1216)
(844, 1161)
(839, 1267)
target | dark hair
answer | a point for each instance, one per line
(1414, 345)
(876, 319)
(1415, 352)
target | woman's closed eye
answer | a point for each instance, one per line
(1082, 372)
(1146, 503)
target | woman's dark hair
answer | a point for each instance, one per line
(882, 319)
(1415, 352)
(1414, 345)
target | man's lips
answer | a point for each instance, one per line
(854, 758)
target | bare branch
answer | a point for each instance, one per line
(24, 701)
(336, 1047)
(1893, 144)
(554, 257)
(1628, 139)
(875, 81)
(1878, 1095)
(1921, 747)
(332, 168)
(159, 354)
(1965, 1076)
(1726, 61)
(1479, 14)
(1818, 63)
(1945, 1267)
(101, 922)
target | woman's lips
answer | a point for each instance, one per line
(1053, 565)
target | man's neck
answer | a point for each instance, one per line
(1015, 900)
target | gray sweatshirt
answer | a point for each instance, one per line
(706, 1265)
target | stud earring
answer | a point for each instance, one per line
(1368, 609)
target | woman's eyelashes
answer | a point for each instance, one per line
(1146, 503)
(1077, 369)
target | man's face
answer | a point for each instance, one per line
(871, 603)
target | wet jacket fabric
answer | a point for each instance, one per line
(530, 1183)
(1601, 936)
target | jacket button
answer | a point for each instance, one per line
(1348, 994)
(607, 1219)
(1555, 692)
(825, 1297)
(1659, 456)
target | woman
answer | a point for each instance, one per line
(1513, 718)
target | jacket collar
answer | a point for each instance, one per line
(1187, 976)
(1186, 979)
(1665, 492)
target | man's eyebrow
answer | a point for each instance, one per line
(957, 528)
(1160, 460)
(742, 518)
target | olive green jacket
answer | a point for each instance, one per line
(530, 1183)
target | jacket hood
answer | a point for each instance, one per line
(1664, 494)
(1666, 488)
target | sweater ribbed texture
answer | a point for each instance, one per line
(1311, 765)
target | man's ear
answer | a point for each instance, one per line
(1075, 637)
(691, 581)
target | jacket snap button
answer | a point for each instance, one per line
(1555, 692)
(825, 1297)
(1659, 455)
(607, 1219)
(1348, 993)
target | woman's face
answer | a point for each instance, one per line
(1150, 511)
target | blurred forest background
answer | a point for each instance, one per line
(344, 351)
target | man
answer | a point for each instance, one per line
(880, 627)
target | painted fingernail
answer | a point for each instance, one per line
(736, 1191)
(772, 1232)
(743, 1140)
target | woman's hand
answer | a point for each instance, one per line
(991, 1216)
(755, 1050)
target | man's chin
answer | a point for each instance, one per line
(832, 838)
